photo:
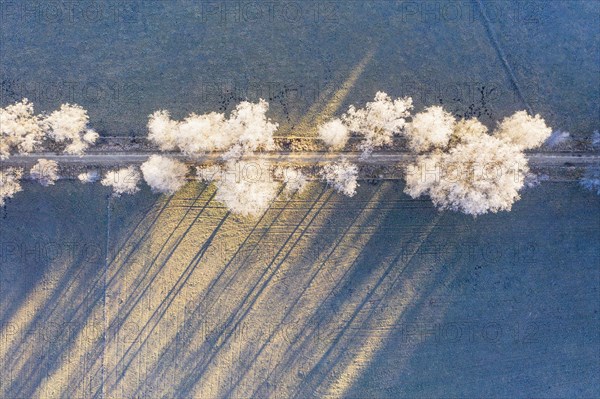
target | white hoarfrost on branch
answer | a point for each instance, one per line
(163, 131)
(379, 120)
(430, 129)
(164, 175)
(474, 177)
(463, 168)
(9, 183)
(341, 176)
(523, 130)
(334, 134)
(467, 130)
(45, 172)
(20, 129)
(69, 125)
(294, 180)
(123, 181)
(245, 188)
(247, 129)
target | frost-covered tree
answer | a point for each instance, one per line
(341, 176)
(45, 171)
(194, 135)
(463, 168)
(90, 176)
(10, 183)
(293, 179)
(591, 179)
(20, 129)
(378, 121)
(164, 175)
(467, 130)
(249, 127)
(246, 130)
(69, 125)
(475, 177)
(523, 130)
(245, 188)
(123, 181)
(163, 131)
(334, 134)
(430, 129)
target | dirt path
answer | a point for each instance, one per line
(111, 158)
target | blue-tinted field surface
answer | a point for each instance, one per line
(375, 296)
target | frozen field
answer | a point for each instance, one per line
(122, 60)
(375, 296)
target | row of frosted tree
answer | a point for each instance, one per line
(459, 164)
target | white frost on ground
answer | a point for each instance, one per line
(533, 180)
(596, 139)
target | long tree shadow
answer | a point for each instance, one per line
(322, 297)
(344, 341)
(299, 296)
(231, 325)
(221, 342)
(59, 329)
(77, 281)
(158, 313)
(163, 358)
(508, 309)
(134, 300)
(122, 364)
(45, 324)
(313, 330)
